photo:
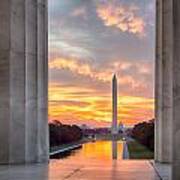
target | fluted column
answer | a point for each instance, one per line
(163, 86)
(23, 81)
(158, 81)
(168, 85)
(31, 80)
(42, 75)
(176, 90)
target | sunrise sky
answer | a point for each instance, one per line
(89, 40)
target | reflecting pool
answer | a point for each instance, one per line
(99, 150)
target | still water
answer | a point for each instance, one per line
(99, 151)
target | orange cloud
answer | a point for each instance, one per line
(105, 74)
(80, 68)
(122, 17)
(95, 109)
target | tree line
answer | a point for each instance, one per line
(63, 134)
(144, 133)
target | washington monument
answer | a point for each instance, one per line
(114, 129)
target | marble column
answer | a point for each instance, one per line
(163, 85)
(168, 84)
(176, 90)
(158, 80)
(42, 48)
(23, 81)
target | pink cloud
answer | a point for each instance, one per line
(79, 12)
(122, 17)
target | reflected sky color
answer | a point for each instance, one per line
(115, 150)
(101, 151)
(88, 42)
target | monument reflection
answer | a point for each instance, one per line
(114, 149)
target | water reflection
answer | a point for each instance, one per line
(114, 150)
(99, 150)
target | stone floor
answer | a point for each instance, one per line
(90, 170)
(164, 170)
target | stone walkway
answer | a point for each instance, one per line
(90, 170)
(164, 170)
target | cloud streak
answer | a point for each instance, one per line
(132, 75)
(95, 109)
(123, 17)
(79, 12)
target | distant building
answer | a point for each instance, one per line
(84, 127)
(121, 127)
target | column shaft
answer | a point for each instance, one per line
(17, 82)
(163, 92)
(31, 80)
(168, 124)
(158, 80)
(23, 81)
(42, 48)
(176, 90)
(4, 80)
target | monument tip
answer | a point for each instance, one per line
(114, 76)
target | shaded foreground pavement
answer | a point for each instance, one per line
(90, 170)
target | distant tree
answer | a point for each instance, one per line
(63, 134)
(144, 133)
